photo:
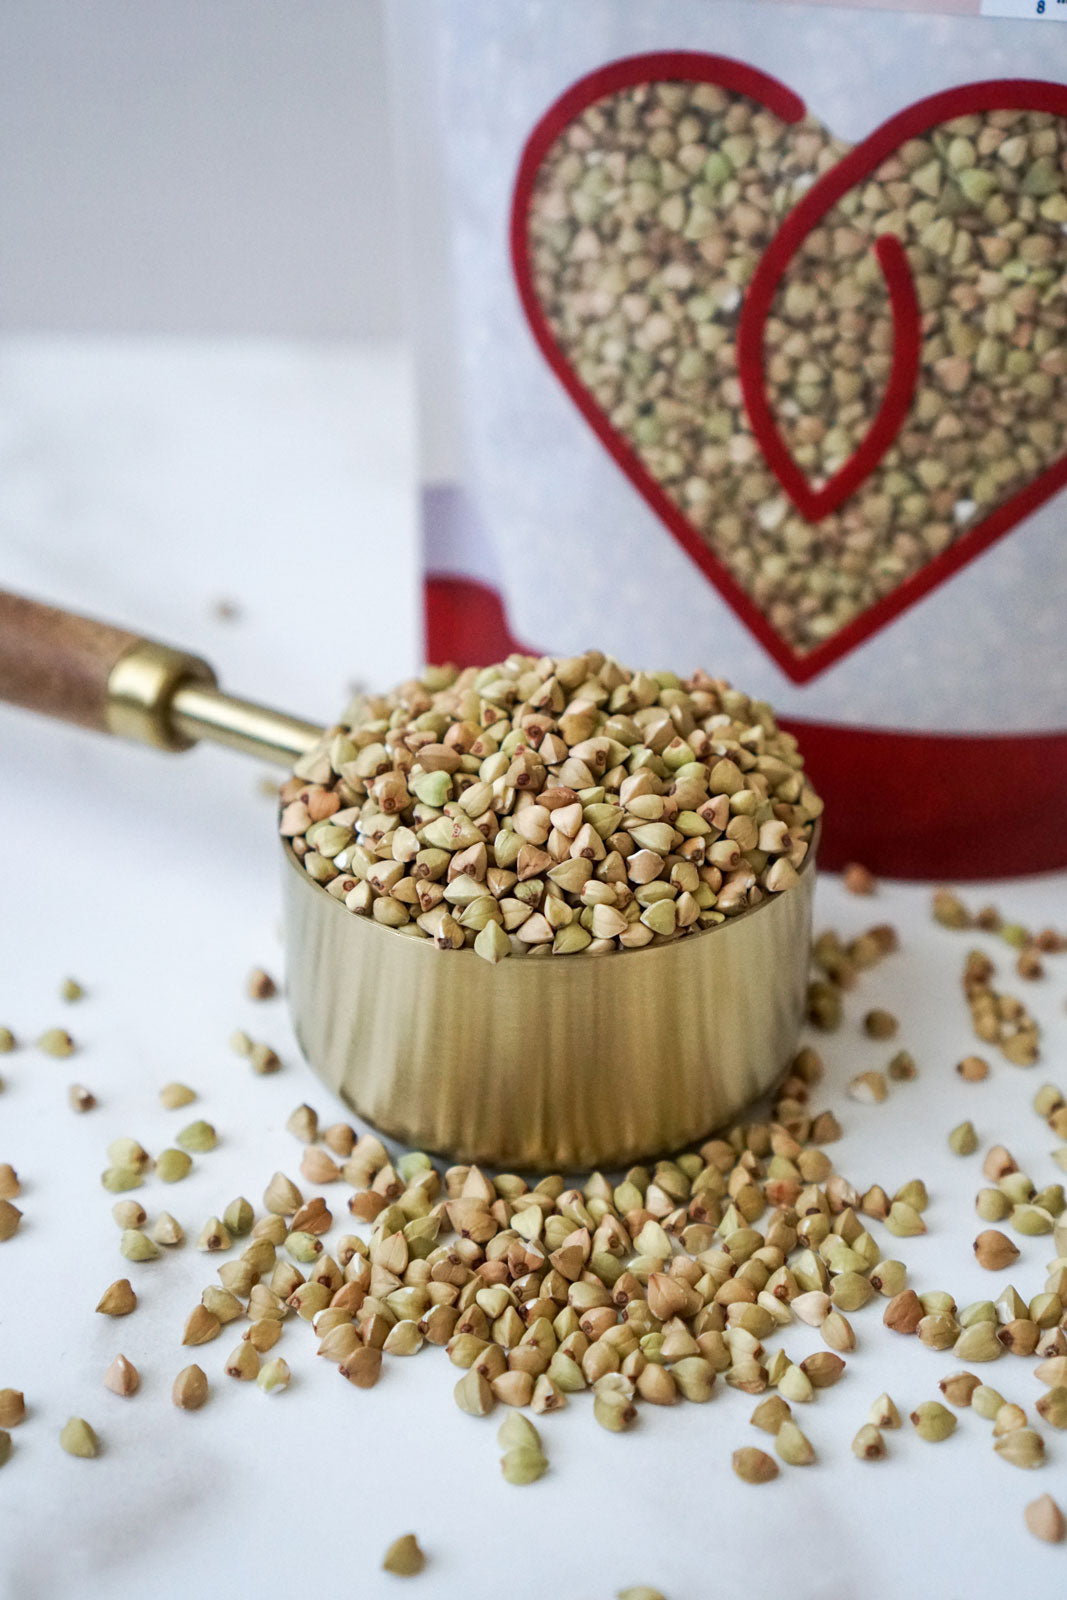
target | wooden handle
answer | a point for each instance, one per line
(57, 663)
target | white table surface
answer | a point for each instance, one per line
(143, 482)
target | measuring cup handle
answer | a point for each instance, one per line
(91, 673)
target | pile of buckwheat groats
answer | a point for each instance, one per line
(552, 806)
(656, 1287)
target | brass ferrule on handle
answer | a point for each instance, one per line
(102, 677)
(141, 688)
(170, 699)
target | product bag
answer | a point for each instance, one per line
(741, 338)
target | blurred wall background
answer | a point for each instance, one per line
(201, 379)
(210, 167)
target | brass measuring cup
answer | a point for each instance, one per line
(569, 1063)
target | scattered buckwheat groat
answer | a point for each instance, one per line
(213, 1236)
(260, 985)
(754, 1466)
(70, 989)
(303, 1124)
(118, 1300)
(978, 1342)
(281, 1196)
(959, 1389)
(129, 1153)
(994, 1250)
(868, 1445)
(999, 1163)
(524, 1460)
(12, 1408)
(904, 1220)
(1052, 1407)
(963, 1140)
(117, 1180)
(1022, 1447)
(167, 1230)
(613, 1409)
(190, 1389)
(263, 1060)
(1007, 1419)
(793, 1446)
(80, 1098)
(933, 1421)
(173, 1095)
(1045, 1520)
(243, 1362)
(137, 1246)
(173, 1165)
(122, 1377)
(10, 1217)
(222, 1304)
(883, 1413)
(824, 1006)
(56, 1042)
(771, 1413)
(274, 1376)
(198, 1136)
(78, 1438)
(404, 1557)
(10, 1188)
(870, 1088)
(201, 1326)
(880, 1024)
(552, 805)
(523, 1464)
(239, 1217)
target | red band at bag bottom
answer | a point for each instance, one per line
(908, 805)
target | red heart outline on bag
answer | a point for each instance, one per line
(859, 163)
